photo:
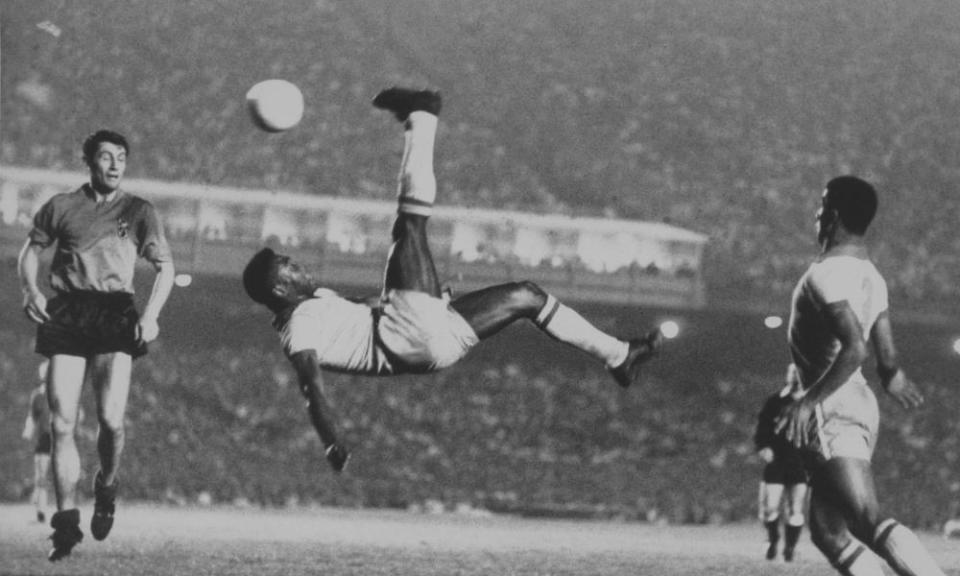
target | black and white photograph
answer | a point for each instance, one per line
(479, 287)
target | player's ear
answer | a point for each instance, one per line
(829, 218)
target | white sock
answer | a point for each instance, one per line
(857, 560)
(417, 182)
(566, 325)
(899, 546)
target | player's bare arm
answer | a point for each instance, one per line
(148, 327)
(28, 267)
(796, 417)
(310, 377)
(892, 377)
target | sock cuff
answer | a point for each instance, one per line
(883, 531)
(848, 556)
(414, 206)
(548, 311)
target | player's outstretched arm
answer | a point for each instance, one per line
(149, 328)
(310, 377)
(893, 379)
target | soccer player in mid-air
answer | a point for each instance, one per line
(412, 327)
(784, 480)
(92, 325)
(839, 306)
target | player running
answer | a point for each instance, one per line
(784, 481)
(411, 327)
(839, 305)
(92, 325)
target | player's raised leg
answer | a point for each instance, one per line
(112, 386)
(64, 385)
(491, 309)
(410, 264)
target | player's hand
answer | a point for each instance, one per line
(147, 330)
(795, 422)
(903, 390)
(766, 454)
(337, 456)
(35, 307)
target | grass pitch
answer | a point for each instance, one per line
(149, 540)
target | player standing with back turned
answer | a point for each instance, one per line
(839, 305)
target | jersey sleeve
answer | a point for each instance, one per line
(296, 335)
(833, 282)
(861, 286)
(151, 240)
(43, 232)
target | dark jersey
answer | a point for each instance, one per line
(98, 242)
(787, 458)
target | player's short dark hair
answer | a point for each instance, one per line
(256, 277)
(94, 140)
(855, 201)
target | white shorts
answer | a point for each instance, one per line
(422, 332)
(848, 422)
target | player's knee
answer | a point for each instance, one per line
(62, 426)
(796, 519)
(828, 543)
(527, 298)
(530, 294)
(111, 424)
(771, 515)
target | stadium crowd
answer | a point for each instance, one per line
(727, 122)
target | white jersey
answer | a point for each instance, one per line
(406, 332)
(833, 279)
(339, 330)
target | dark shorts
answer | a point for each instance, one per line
(44, 444)
(786, 473)
(88, 324)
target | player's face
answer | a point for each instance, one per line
(107, 167)
(292, 276)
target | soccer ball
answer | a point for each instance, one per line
(275, 105)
